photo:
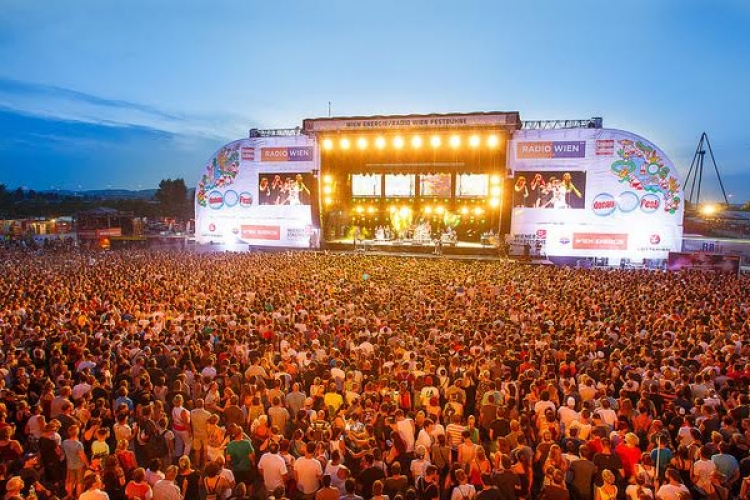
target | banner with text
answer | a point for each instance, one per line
(259, 191)
(594, 193)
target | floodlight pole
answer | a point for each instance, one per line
(696, 171)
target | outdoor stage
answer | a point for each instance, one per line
(413, 246)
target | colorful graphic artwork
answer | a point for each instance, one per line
(220, 173)
(644, 170)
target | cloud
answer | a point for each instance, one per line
(59, 103)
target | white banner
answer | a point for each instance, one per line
(260, 192)
(594, 193)
(411, 122)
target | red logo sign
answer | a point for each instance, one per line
(655, 239)
(261, 232)
(600, 241)
(248, 154)
(605, 147)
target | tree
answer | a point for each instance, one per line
(173, 199)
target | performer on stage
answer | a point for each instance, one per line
(521, 192)
(570, 190)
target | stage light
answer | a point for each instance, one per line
(474, 141)
(495, 191)
(362, 143)
(328, 200)
(404, 212)
(440, 210)
(478, 211)
(380, 142)
(494, 202)
(345, 144)
(495, 179)
(327, 179)
(360, 209)
(464, 210)
(416, 142)
(493, 141)
(709, 209)
(455, 141)
(428, 209)
(398, 142)
(327, 144)
(435, 141)
(327, 189)
(393, 208)
(370, 209)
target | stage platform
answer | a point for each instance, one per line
(413, 247)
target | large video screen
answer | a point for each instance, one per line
(472, 185)
(550, 189)
(435, 185)
(366, 185)
(399, 185)
(285, 189)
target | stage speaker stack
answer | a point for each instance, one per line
(506, 207)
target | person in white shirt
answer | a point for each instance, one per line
(674, 489)
(568, 415)
(166, 489)
(307, 471)
(273, 468)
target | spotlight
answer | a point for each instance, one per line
(398, 142)
(327, 189)
(380, 143)
(495, 191)
(455, 141)
(474, 141)
(345, 144)
(360, 209)
(428, 209)
(327, 179)
(370, 209)
(435, 141)
(328, 200)
(404, 212)
(393, 208)
(440, 210)
(495, 179)
(416, 142)
(478, 211)
(327, 144)
(362, 143)
(493, 141)
(464, 210)
(494, 202)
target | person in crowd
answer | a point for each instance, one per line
(155, 354)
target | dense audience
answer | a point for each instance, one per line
(175, 375)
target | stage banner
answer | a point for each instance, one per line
(259, 191)
(594, 193)
(679, 261)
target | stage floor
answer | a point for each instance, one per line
(413, 247)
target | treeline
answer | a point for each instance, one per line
(172, 199)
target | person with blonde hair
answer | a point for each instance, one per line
(608, 490)
(188, 479)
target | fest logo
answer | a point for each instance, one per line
(604, 204)
(220, 173)
(246, 199)
(231, 198)
(551, 149)
(642, 169)
(215, 200)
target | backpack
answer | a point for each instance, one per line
(158, 443)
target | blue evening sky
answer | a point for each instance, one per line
(123, 93)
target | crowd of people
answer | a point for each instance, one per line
(150, 375)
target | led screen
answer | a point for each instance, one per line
(435, 185)
(366, 185)
(472, 185)
(399, 185)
